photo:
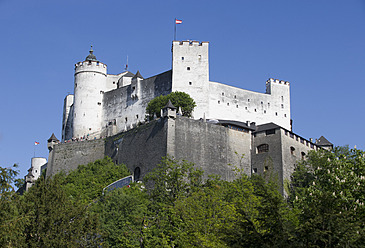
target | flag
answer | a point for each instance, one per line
(178, 21)
(36, 143)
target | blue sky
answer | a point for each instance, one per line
(316, 45)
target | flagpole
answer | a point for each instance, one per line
(175, 30)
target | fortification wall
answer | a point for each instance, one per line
(215, 149)
(123, 108)
(140, 149)
(294, 148)
(67, 156)
(231, 103)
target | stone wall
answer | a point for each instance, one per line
(141, 147)
(215, 149)
(67, 156)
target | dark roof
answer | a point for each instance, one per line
(91, 56)
(138, 75)
(267, 126)
(170, 105)
(322, 141)
(128, 74)
(237, 123)
(52, 138)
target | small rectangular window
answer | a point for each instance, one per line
(182, 58)
(188, 68)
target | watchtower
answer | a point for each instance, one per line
(190, 72)
(90, 81)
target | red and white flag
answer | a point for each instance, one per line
(178, 21)
(36, 143)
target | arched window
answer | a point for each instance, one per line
(303, 155)
(292, 150)
(137, 174)
(263, 148)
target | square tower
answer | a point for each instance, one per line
(190, 72)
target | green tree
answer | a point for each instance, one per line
(328, 193)
(56, 220)
(86, 183)
(122, 214)
(11, 220)
(178, 99)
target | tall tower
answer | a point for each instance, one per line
(190, 73)
(90, 81)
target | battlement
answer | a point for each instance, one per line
(277, 81)
(190, 43)
(90, 66)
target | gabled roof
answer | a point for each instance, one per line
(138, 75)
(322, 141)
(267, 126)
(53, 138)
(128, 74)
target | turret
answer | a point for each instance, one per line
(90, 82)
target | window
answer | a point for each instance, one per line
(282, 98)
(236, 106)
(235, 96)
(303, 155)
(90, 129)
(113, 82)
(284, 115)
(227, 103)
(188, 68)
(133, 88)
(254, 170)
(269, 132)
(182, 58)
(264, 111)
(263, 148)
(219, 102)
(99, 103)
(292, 151)
(286, 133)
(97, 63)
(190, 83)
(282, 105)
(246, 108)
(222, 93)
(248, 100)
(255, 110)
(126, 119)
(262, 103)
(276, 113)
(266, 168)
(291, 135)
(137, 116)
(199, 57)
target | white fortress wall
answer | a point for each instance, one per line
(231, 103)
(67, 118)
(90, 80)
(190, 72)
(124, 107)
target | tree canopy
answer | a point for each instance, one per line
(177, 208)
(178, 99)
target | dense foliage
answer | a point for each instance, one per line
(178, 99)
(325, 207)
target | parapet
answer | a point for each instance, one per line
(90, 66)
(190, 43)
(277, 81)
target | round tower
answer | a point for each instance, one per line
(90, 82)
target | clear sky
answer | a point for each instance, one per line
(316, 45)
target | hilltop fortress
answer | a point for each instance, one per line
(105, 104)
(231, 127)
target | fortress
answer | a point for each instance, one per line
(230, 126)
